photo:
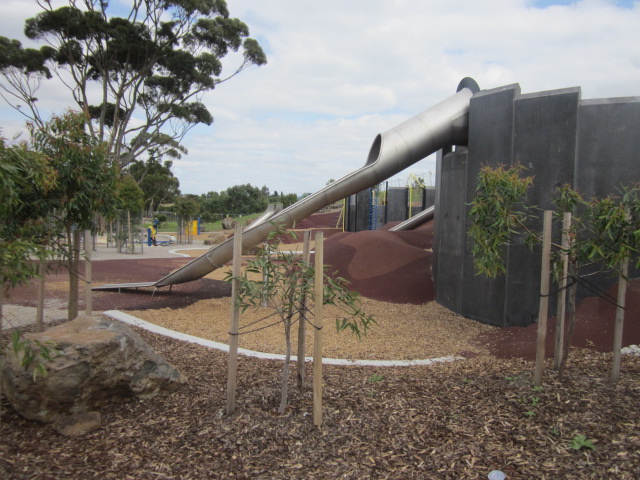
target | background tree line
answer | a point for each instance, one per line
(241, 200)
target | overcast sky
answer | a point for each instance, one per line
(340, 72)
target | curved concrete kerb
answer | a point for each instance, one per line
(136, 322)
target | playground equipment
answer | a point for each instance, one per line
(561, 139)
(441, 126)
(416, 220)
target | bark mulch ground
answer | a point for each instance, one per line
(451, 421)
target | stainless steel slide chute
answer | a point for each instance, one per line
(415, 221)
(440, 126)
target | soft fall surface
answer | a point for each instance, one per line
(458, 420)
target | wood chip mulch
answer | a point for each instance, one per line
(451, 421)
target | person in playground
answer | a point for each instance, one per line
(153, 231)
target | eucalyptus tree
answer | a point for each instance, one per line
(25, 181)
(140, 77)
(86, 185)
(156, 181)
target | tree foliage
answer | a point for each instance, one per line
(287, 286)
(86, 185)
(156, 181)
(498, 211)
(242, 200)
(140, 78)
(604, 232)
(26, 179)
(130, 194)
(187, 207)
(86, 178)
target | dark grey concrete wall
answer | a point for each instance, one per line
(358, 211)
(608, 145)
(593, 145)
(608, 156)
(397, 206)
(491, 119)
(395, 209)
(450, 229)
(350, 221)
(538, 131)
(362, 210)
(429, 198)
(545, 134)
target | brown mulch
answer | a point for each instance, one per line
(457, 420)
(451, 421)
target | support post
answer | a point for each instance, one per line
(543, 311)
(617, 333)
(42, 270)
(302, 321)
(130, 244)
(88, 306)
(235, 321)
(562, 295)
(318, 323)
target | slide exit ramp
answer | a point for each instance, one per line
(443, 125)
(415, 221)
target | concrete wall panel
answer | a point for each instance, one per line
(450, 231)
(545, 135)
(490, 143)
(397, 204)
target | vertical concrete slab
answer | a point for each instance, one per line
(450, 214)
(608, 156)
(397, 204)
(350, 223)
(608, 145)
(545, 142)
(362, 209)
(491, 115)
(429, 197)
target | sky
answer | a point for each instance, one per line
(340, 72)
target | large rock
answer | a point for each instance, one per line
(99, 359)
(228, 223)
(215, 238)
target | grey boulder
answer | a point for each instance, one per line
(95, 360)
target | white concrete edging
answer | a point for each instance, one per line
(136, 322)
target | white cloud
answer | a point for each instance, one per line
(341, 72)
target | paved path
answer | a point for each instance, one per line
(171, 251)
(56, 309)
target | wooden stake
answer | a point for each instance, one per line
(302, 321)
(130, 244)
(235, 321)
(562, 295)
(543, 311)
(88, 306)
(317, 337)
(617, 333)
(42, 270)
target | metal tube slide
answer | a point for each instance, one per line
(440, 126)
(416, 220)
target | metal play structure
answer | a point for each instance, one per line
(438, 127)
(560, 138)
